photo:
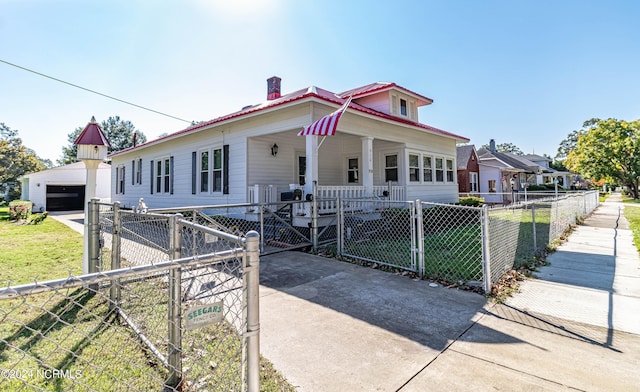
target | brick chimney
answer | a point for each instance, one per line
(273, 88)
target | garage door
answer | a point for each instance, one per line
(65, 197)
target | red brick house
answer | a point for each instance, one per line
(468, 169)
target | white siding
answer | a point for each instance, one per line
(250, 141)
(72, 174)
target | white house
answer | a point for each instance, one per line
(63, 188)
(254, 155)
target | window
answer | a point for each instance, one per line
(473, 182)
(439, 170)
(302, 169)
(139, 171)
(159, 176)
(352, 170)
(427, 169)
(414, 168)
(449, 170)
(391, 168)
(204, 171)
(403, 107)
(492, 186)
(210, 170)
(120, 179)
(217, 170)
(167, 171)
(163, 175)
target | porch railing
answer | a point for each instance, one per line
(262, 194)
(327, 195)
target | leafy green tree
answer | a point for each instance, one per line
(608, 149)
(119, 132)
(506, 147)
(15, 160)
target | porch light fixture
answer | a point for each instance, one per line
(274, 149)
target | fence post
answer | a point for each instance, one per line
(314, 217)
(251, 270)
(93, 221)
(486, 254)
(116, 248)
(339, 226)
(419, 236)
(261, 209)
(175, 306)
(533, 225)
(93, 240)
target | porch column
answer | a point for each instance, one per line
(367, 164)
(311, 173)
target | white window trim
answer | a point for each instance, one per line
(473, 179)
(385, 167)
(419, 168)
(159, 175)
(199, 174)
(138, 172)
(421, 157)
(357, 170)
(210, 169)
(120, 179)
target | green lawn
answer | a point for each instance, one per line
(73, 330)
(633, 216)
(49, 250)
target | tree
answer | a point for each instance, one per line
(506, 147)
(555, 164)
(608, 149)
(15, 160)
(119, 132)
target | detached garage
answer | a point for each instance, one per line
(63, 188)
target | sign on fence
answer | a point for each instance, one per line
(201, 315)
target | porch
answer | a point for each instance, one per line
(325, 196)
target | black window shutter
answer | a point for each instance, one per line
(124, 178)
(151, 181)
(117, 180)
(171, 175)
(225, 169)
(133, 172)
(194, 172)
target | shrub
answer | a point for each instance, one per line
(471, 201)
(38, 218)
(20, 210)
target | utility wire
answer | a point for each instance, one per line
(93, 91)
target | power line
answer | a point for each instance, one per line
(93, 91)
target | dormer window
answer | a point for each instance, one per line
(403, 107)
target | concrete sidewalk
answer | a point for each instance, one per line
(332, 326)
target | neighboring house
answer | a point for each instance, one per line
(380, 149)
(63, 188)
(468, 169)
(549, 174)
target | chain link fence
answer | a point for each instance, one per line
(185, 321)
(471, 246)
(377, 231)
(282, 226)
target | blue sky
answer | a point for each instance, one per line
(522, 72)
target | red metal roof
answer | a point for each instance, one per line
(92, 134)
(310, 92)
(382, 86)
